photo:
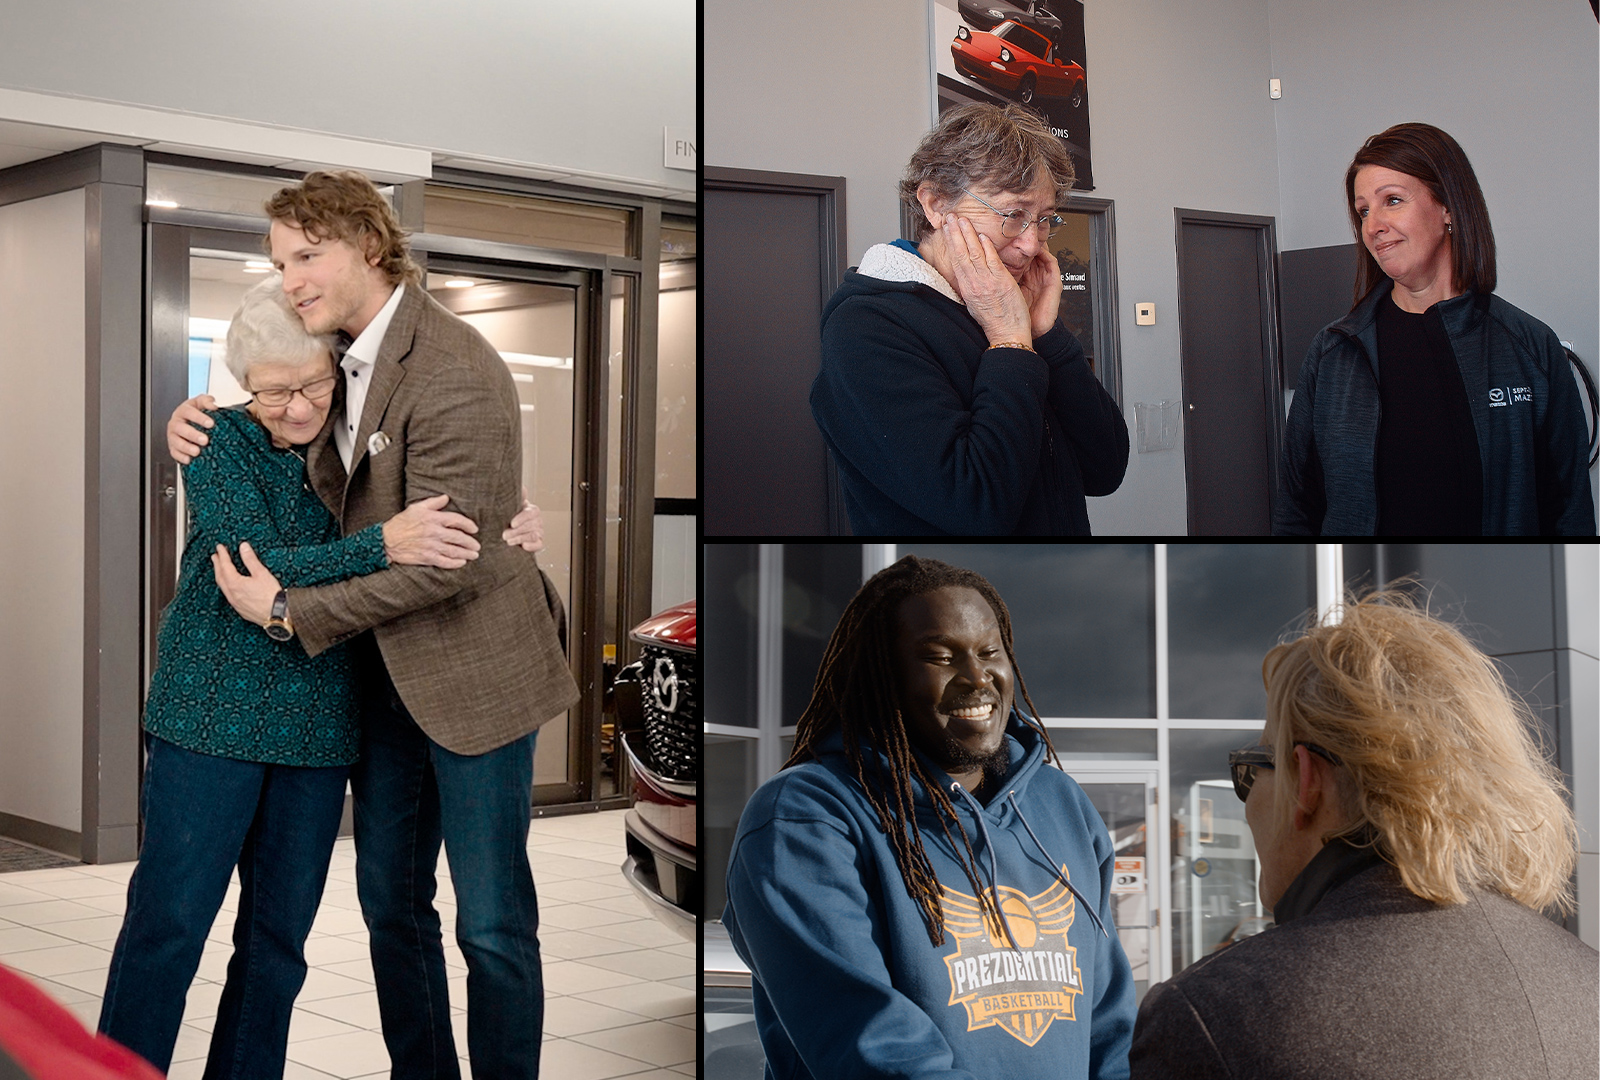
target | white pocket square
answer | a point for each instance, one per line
(377, 443)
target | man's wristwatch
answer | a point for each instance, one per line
(278, 627)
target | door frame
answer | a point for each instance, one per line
(829, 193)
(1266, 240)
(172, 233)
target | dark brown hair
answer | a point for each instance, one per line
(347, 206)
(855, 694)
(1432, 156)
(982, 145)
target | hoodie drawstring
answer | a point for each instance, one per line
(1054, 866)
(994, 865)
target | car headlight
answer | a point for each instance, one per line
(1005, 55)
(963, 34)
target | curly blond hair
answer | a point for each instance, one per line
(347, 206)
(1441, 771)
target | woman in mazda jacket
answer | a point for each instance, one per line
(1434, 407)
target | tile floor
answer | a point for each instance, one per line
(620, 987)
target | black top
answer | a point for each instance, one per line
(1428, 474)
(1336, 863)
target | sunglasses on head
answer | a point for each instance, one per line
(1244, 763)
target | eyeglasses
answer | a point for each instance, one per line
(277, 396)
(1244, 764)
(1013, 223)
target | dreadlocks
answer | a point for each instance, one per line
(855, 693)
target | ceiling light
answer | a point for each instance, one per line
(459, 283)
(257, 264)
(167, 204)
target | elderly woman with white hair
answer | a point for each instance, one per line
(249, 740)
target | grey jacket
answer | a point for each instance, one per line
(1532, 437)
(1375, 982)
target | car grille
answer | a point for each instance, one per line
(670, 690)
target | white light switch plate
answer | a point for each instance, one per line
(1144, 314)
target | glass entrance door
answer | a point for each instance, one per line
(541, 320)
(1123, 800)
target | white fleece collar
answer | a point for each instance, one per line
(889, 263)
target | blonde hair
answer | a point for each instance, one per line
(1444, 777)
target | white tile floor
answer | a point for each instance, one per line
(619, 987)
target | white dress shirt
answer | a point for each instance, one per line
(357, 364)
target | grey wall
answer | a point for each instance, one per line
(1181, 118)
(586, 86)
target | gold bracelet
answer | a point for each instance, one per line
(1013, 345)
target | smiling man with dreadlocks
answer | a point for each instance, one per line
(918, 893)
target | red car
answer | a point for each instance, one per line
(659, 727)
(1017, 61)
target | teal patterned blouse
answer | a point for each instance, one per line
(221, 686)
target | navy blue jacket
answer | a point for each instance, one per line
(1525, 410)
(934, 436)
(844, 979)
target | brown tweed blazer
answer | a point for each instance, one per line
(473, 652)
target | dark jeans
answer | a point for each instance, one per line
(411, 794)
(203, 815)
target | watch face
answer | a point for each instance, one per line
(277, 631)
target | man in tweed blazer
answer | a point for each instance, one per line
(1409, 832)
(460, 666)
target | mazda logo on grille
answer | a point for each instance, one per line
(664, 685)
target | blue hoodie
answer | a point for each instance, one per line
(844, 978)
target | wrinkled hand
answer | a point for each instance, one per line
(251, 593)
(527, 528)
(985, 285)
(426, 534)
(1041, 288)
(183, 441)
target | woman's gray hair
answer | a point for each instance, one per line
(981, 145)
(265, 329)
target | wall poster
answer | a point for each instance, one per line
(1017, 50)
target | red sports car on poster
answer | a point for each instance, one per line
(1017, 61)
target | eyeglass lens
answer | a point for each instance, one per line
(281, 395)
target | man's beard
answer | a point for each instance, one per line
(953, 757)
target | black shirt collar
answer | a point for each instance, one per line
(1336, 863)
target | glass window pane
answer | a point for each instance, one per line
(729, 622)
(519, 219)
(1104, 744)
(1122, 806)
(1070, 245)
(227, 193)
(676, 414)
(532, 327)
(1227, 605)
(729, 765)
(818, 581)
(1214, 865)
(1082, 618)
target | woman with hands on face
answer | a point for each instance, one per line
(951, 397)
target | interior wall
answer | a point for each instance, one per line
(588, 87)
(42, 348)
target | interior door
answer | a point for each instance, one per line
(1227, 312)
(548, 328)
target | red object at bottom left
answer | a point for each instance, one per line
(49, 1043)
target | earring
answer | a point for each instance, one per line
(1448, 227)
